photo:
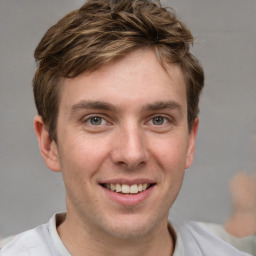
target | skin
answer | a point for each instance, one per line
(141, 134)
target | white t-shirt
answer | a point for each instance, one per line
(193, 239)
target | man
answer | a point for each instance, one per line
(117, 94)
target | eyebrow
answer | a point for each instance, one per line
(84, 104)
(162, 105)
(101, 105)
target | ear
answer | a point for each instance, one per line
(191, 143)
(47, 145)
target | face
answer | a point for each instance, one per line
(123, 144)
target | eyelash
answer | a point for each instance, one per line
(163, 118)
(103, 121)
(90, 118)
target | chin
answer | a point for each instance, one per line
(131, 227)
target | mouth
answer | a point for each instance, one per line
(127, 189)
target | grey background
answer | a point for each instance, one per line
(225, 32)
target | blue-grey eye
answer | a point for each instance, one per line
(96, 120)
(158, 120)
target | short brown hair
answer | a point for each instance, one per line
(101, 30)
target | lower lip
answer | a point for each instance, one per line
(128, 199)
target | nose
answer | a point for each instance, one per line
(129, 149)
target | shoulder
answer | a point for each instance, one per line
(36, 241)
(211, 240)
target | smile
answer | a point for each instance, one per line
(127, 189)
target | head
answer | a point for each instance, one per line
(117, 93)
(101, 31)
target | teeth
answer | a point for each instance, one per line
(144, 186)
(126, 189)
(134, 189)
(118, 188)
(112, 187)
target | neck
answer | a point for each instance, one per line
(80, 239)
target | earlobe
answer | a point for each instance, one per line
(47, 145)
(191, 143)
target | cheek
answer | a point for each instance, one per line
(82, 156)
(170, 153)
(79, 164)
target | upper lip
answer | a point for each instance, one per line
(127, 181)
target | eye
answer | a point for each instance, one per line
(96, 120)
(159, 120)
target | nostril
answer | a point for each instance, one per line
(131, 165)
(121, 163)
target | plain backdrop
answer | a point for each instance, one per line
(225, 33)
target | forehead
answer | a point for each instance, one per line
(137, 78)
